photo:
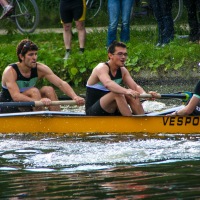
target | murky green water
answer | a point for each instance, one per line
(100, 167)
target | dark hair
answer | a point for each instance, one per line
(111, 48)
(24, 46)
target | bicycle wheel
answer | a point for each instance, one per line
(177, 9)
(26, 14)
(93, 7)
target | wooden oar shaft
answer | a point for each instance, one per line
(35, 103)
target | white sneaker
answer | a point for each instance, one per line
(66, 55)
(6, 11)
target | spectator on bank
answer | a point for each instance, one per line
(73, 10)
(7, 8)
(193, 9)
(162, 10)
(117, 8)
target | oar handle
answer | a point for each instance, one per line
(150, 96)
(35, 103)
(55, 103)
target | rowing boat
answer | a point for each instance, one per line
(78, 123)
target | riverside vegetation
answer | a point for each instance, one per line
(179, 59)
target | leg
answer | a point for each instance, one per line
(126, 6)
(192, 19)
(80, 25)
(113, 12)
(49, 92)
(112, 101)
(156, 7)
(35, 94)
(168, 32)
(67, 35)
(135, 105)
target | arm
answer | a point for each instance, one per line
(45, 72)
(9, 80)
(187, 110)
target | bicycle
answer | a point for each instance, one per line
(25, 14)
(94, 6)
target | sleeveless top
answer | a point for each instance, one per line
(22, 82)
(96, 91)
(117, 78)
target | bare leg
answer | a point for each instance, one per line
(49, 92)
(135, 105)
(111, 101)
(80, 25)
(67, 35)
(33, 93)
(3, 3)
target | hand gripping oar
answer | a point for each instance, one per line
(184, 96)
(35, 103)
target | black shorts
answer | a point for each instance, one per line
(96, 110)
(72, 10)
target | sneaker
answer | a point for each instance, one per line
(66, 55)
(6, 11)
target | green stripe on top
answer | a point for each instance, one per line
(24, 84)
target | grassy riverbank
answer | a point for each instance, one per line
(180, 59)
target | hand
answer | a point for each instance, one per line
(46, 101)
(153, 94)
(79, 101)
(133, 93)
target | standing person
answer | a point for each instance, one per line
(193, 9)
(19, 80)
(162, 10)
(115, 9)
(6, 8)
(73, 10)
(104, 93)
(193, 107)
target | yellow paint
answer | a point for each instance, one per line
(101, 125)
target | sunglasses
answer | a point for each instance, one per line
(26, 47)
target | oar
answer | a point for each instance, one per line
(35, 103)
(185, 96)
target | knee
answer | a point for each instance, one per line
(80, 26)
(67, 27)
(47, 90)
(34, 93)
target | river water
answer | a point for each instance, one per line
(135, 166)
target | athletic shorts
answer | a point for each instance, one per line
(72, 10)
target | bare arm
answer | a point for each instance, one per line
(9, 80)
(47, 73)
(188, 109)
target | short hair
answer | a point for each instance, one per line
(111, 48)
(24, 46)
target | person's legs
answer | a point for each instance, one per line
(114, 13)
(157, 11)
(168, 31)
(126, 6)
(80, 25)
(6, 8)
(67, 35)
(35, 94)
(192, 19)
(112, 101)
(49, 92)
(135, 105)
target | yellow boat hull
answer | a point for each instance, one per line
(101, 125)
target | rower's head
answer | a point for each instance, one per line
(114, 45)
(118, 49)
(24, 46)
